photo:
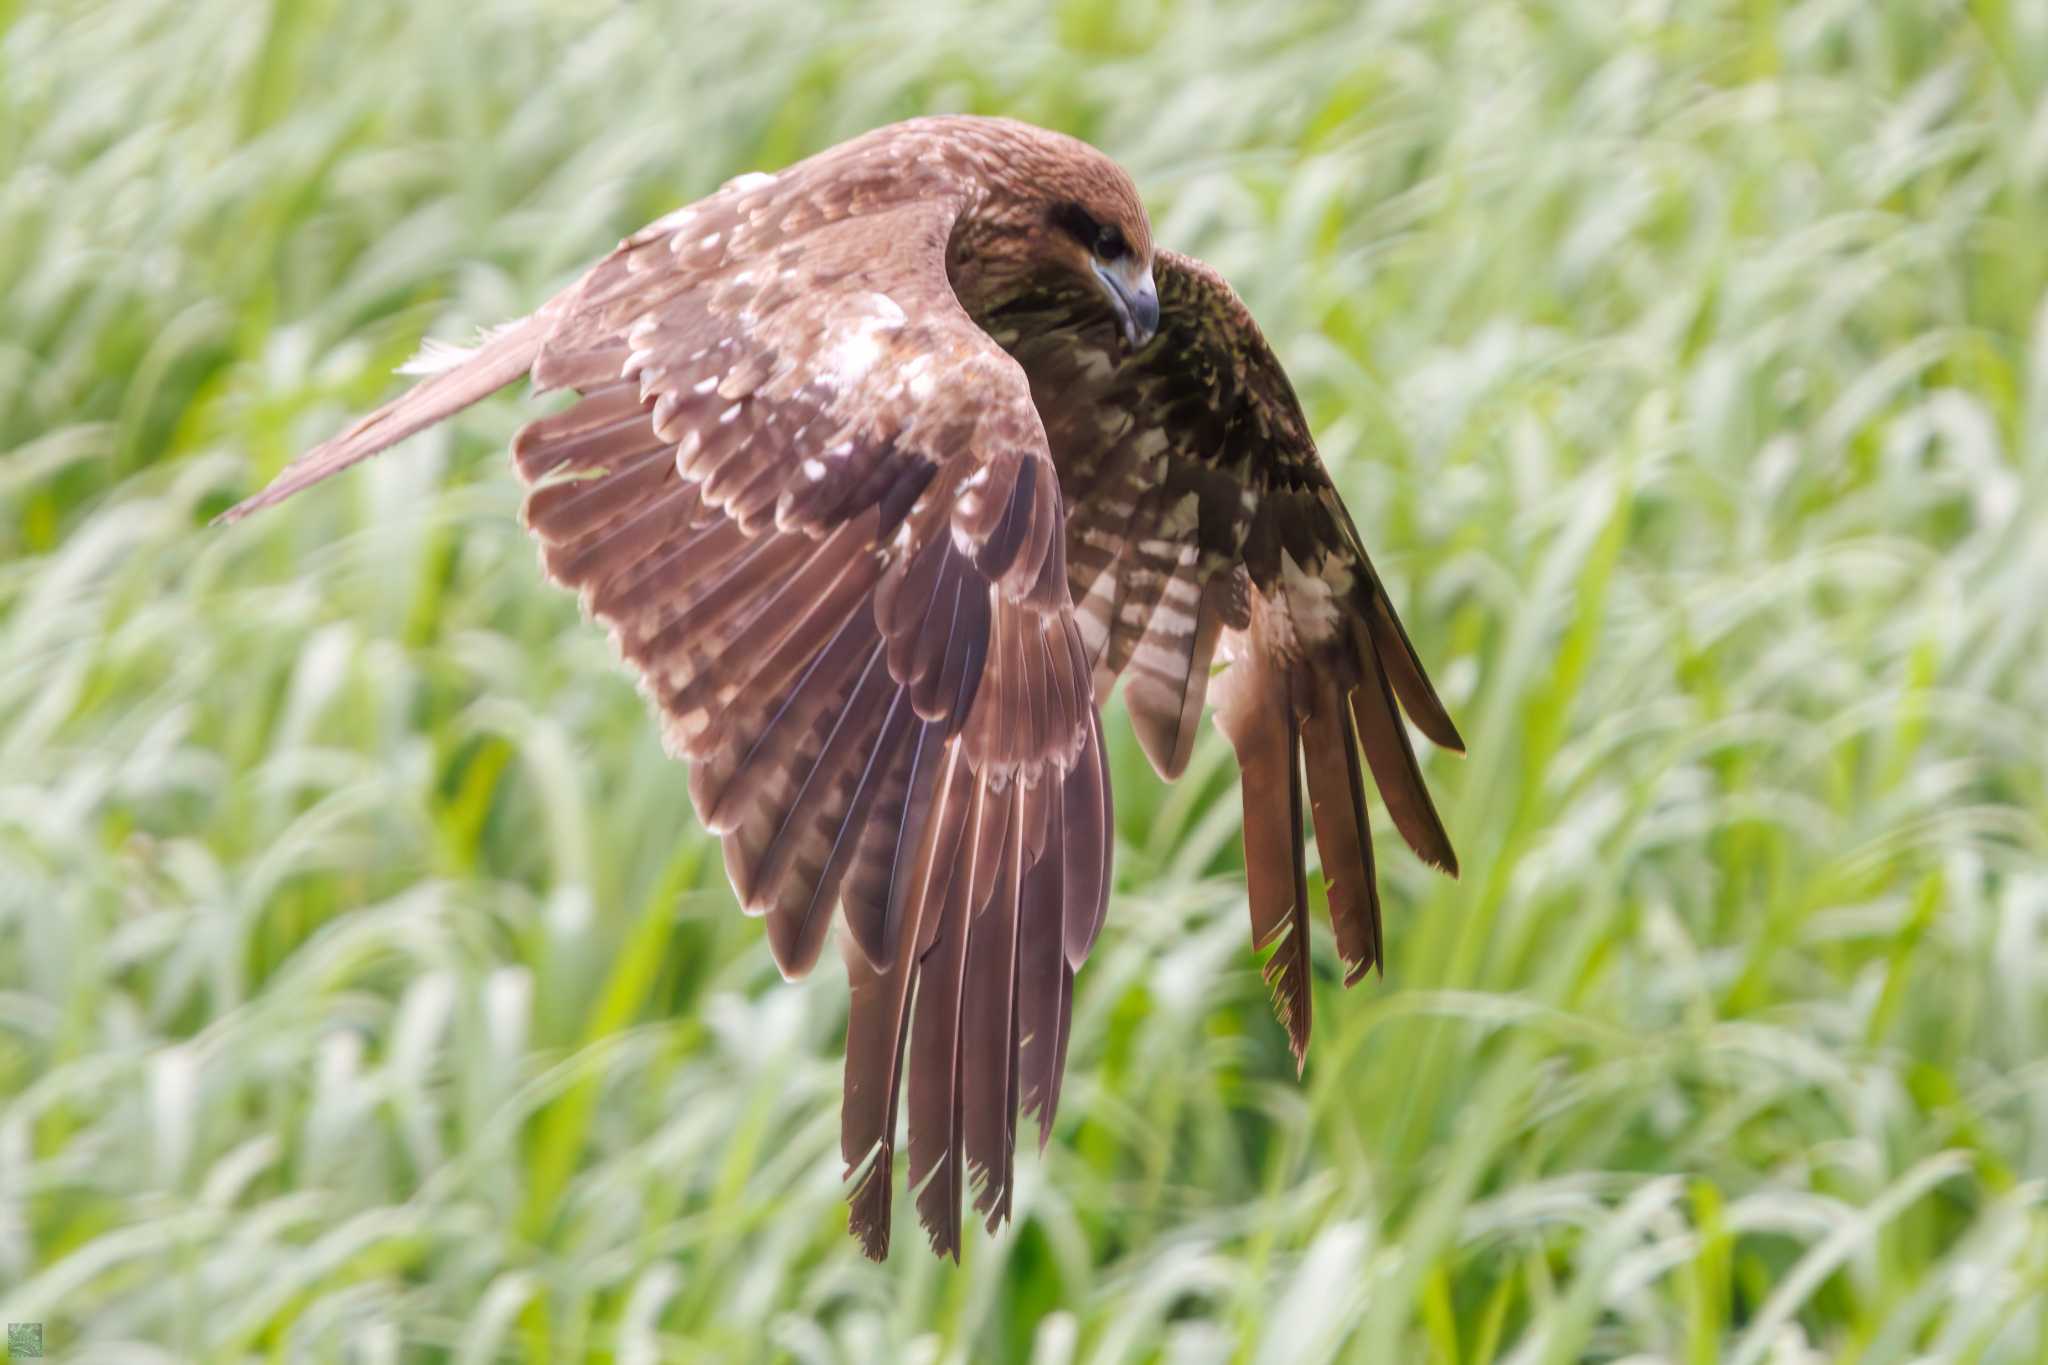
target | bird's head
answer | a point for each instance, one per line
(1109, 244)
(1063, 213)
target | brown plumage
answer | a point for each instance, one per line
(885, 469)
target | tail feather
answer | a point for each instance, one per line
(506, 354)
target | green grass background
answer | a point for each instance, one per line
(368, 992)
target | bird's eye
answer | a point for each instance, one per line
(1106, 240)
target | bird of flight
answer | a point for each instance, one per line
(885, 469)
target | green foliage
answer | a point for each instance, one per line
(368, 992)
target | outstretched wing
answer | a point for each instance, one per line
(814, 504)
(1202, 522)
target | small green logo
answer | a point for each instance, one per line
(24, 1341)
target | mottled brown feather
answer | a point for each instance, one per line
(877, 506)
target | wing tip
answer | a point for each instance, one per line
(944, 1236)
(870, 1202)
(794, 945)
(271, 494)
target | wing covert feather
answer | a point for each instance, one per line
(820, 518)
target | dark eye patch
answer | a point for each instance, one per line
(1104, 239)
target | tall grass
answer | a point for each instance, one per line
(368, 992)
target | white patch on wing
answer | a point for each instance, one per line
(887, 309)
(916, 375)
(1311, 605)
(752, 180)
(853, 354)
(856, 344)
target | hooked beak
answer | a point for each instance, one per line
(1134, 299)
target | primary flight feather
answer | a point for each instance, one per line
(885, 468)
